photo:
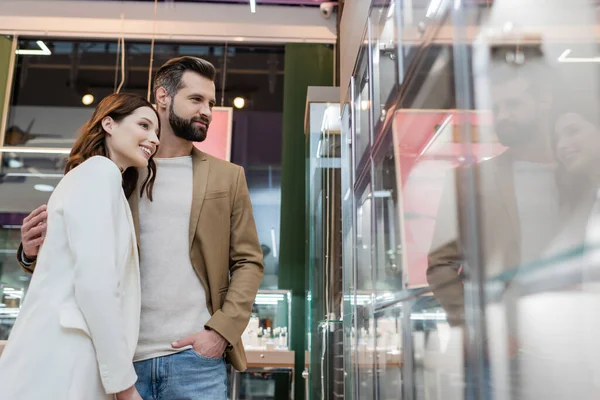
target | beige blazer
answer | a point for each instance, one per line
(500, 238)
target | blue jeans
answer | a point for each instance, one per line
(182, 376)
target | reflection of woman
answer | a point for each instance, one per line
(577, 136)
(77, 330)
(558, 328)
(577, 146)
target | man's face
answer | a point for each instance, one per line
(190, 111)
(516, 112)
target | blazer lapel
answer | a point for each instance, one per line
(200, 165)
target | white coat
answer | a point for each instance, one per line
(77, 329)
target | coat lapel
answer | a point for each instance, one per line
(200, 165)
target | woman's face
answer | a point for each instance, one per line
(577, 143)
(133, 140)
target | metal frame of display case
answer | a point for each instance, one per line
(323, 198)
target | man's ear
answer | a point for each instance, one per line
(162, 98)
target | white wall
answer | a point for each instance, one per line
(175, 21)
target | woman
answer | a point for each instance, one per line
(77, 330)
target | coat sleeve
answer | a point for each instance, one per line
(245, 268)
(28, 267)
(446, 257)
(91, 211)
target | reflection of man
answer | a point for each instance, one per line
(200, 259)
(516, 196)
(517, 191)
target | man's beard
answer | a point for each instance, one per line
(185, 129)
(512, 134)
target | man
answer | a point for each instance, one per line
(516, 199)
(200, 259)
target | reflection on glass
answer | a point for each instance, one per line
(362, 105)
(388, 249)
(384, 54)
(266, 385)
(388, 353)
(348, 306)
(437, 352)
(26, 182)
(527, 218)
(364, 243)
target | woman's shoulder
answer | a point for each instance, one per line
(97, 167)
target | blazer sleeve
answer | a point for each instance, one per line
(91, 209)
(245, 268)
(28, 267)
(446, 257)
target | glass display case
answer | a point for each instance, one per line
(267, 343)
(269, 326)
(325, 302)
(471, 215)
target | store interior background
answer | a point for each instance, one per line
(56, 55)
(46, 110)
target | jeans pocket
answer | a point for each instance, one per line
(205, 358)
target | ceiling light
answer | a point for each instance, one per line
(43, 188)
(564, 58)
(252, 6)
(239, 102)
(14, 163)
(42, 51)
(87, 99)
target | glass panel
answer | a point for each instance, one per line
(324, 236)
(388, 250)
(388, 353)
(384, 54)
(436, 351)
(528, 256)
(264, 185)
(26, 182)
(266, 385)
(362, 105)
(365, 323)
(348, 306)
(418, 23)
(269, 326)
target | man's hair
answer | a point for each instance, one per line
(533, 67)
(170, 74)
